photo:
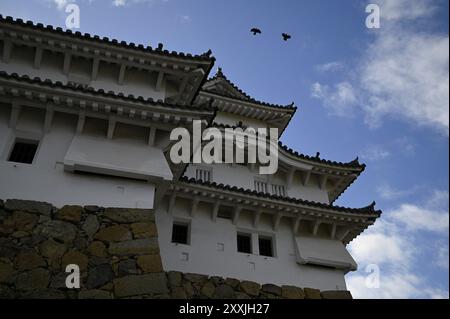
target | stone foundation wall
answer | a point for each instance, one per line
(117, 252)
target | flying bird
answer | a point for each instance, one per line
(285, 36)
(255, 31)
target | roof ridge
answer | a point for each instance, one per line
(140, 47)
(352, 164)
(220, 75)
(88, 89)
(370, 209)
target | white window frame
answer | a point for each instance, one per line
(201, 173)
(261, 185)
(278, 189)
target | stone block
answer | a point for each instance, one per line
(134, 247)
(129, 215)
(311, 293)
(75, 257)
(250, 288)
(271, 289)
(29, 206)
(38, 278)
(223, 292)
(336, 294)
(291, 292)
(127, 267)
(99, 276)
(97, 248)
(175, 278)
(62, 231)
(114, 233)
(208, 289)
(91, 225)
(29, 260)
(150, 263)
(70, 213)
(144, 230)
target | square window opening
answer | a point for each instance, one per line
(225, 212)
(180, 233)
(23, 151)
(244, 243)
(265, 246)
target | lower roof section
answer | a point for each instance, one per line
(323, 252)
(117, 158)
(368, 211)
(340, 223)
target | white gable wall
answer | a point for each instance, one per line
(46, 180)
(138, 83)
(212, 249)
(243, 176)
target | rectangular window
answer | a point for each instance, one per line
(23, 151)
(225, 212)
(265, 246)
(278, 190)
(180, 233)
(260, 186)
(244, 243)
(203, 175)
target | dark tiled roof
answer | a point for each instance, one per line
(105, 40)
(368, 210)
(99, 92)
(353, 164)
(247, 98)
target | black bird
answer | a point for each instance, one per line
(285, 36)
(255, 31)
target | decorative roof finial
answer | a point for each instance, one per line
(355, 162)
(318, 154)
(207, 53)
(219, 72)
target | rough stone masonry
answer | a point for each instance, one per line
(117, 252)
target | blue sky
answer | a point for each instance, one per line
(380, 94)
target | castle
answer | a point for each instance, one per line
(86, 120)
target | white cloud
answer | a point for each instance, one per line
(375, 153)
(60, 4)
(119, 3)
(396, 245)
(340, 99)
(395, 10)
(386, 191)
(406, 74)
(382, 243)
(398, 286)
(403, 73)
(420, 218)
(123, 3)
(330, 66)
(438, 200)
